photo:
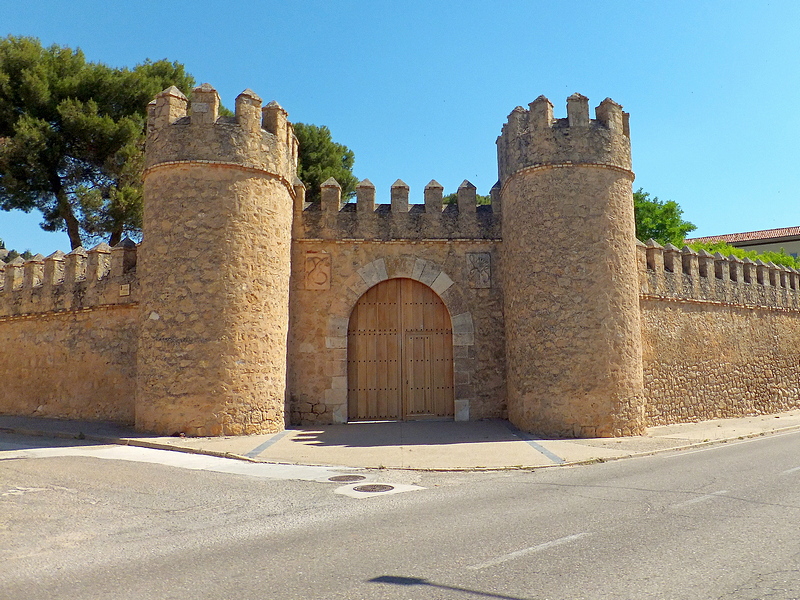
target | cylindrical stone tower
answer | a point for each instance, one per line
(214, 266)
(571, 298)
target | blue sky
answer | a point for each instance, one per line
(420, 90)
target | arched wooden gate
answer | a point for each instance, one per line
(399, 354)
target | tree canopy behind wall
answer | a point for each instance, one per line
(72, 137)
(320, 158)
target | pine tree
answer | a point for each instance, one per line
(72, 137)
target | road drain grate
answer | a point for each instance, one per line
(346, 478)
(373, 487)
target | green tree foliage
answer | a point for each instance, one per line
(453, 199)
(779, 258)
(13, 254)
(72, 137)
(6, 256)
(321, 158)
(660, 220)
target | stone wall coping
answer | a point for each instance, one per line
(77, 280)
(700, 277)
(247, 167)
(567, 164)
(64, 311)
(403, 241)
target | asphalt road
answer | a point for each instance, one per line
(720, 522)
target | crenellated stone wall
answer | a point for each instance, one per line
(232, 315)
(68, 334)
(82, 279)
(429, 220)
(720, 335)
(342, 250)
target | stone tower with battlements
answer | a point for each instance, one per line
(214, 266)
(570, 285)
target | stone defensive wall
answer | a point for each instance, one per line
(364, 219)
(341, 250)
(236, 313)
(69, 330)
(720, 335)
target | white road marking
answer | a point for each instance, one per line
(185, 460)
(525, 551)
(793, 470)
(19, 491)
(700, 499)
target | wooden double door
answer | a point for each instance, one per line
(400, 354)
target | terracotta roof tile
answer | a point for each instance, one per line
(749, 236)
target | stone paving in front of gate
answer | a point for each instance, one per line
(435, 445)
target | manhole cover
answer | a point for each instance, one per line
(347, 478)
(374, 487)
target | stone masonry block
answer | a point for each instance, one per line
(462, 409)
(463, 339)
(454, 301)
(344, 302)
(380, 269)
(419, 267)
(356, 284)
(338, 354)
(336, 368)
(370, 275)
(336, 342)
(335, 396)
(441, 283)
(339, 383)
(464, 391)
(402, 267)
(460, 352)
(337, 326)
(340, 414)
(462, 377)
(463, 364)
(430, 273)
(463, 323)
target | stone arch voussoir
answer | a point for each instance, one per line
(434, 276)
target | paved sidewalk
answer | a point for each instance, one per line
(424, 445)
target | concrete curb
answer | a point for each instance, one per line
(683, 448)
(125, 442)
(122, 441)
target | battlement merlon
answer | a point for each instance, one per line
(190, 131)
(466, 199)
(685, 275)
(82, 279)
(532, 137)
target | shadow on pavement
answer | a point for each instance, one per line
(413, 581)
(15, 441)
(53, 433)
(409, 433)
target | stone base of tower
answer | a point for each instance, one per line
(203, 416)
(584, 417)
